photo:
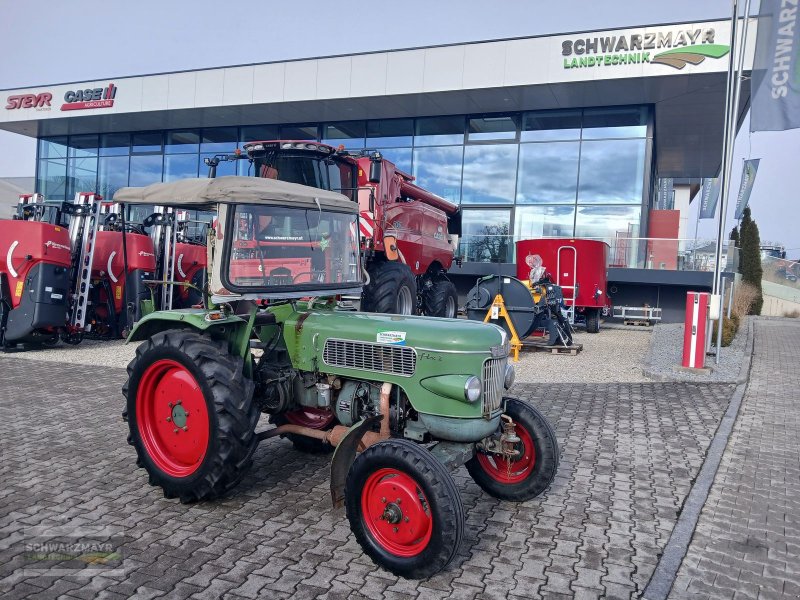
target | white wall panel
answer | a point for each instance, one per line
(405, 71)
(154, 92)
(209, 87)
(181, 92)
(484, 65)
(333, 77)
(300, 82)
(444, 69)
(369, 75)
(238, 86)
(268, 82)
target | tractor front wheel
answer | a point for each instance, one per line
(440, 299)
(532, 470)
(190, 413)
(404, 508)
(392, 289)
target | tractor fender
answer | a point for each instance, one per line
(194, 319)
(345, 454)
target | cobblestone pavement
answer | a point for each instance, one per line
(629, 454)
(747, 541)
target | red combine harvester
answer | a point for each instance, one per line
(34, 276)
(579, 267)
(405, 230)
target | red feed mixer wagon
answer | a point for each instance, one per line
(579, 266)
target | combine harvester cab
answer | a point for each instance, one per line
(34, 277)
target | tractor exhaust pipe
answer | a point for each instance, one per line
(336, 435)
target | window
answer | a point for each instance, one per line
(225, 167)
(489, 174)
(612, 172)
(112, 174)
(182, 142)
(349, 134)
(485, 236)
(180, 166)
(543, 221)
(143, 143)
(53, 147)
(145, 169)
(51, 180)
(608, 222)
(273, 247)
(82, 146)
(115, 144)
(438, 170)
(548, 173)
(299, 132)
(492, 129)
(616, 122)
(439, 131)
(219, 140)
(259, 133)
(390, 133)
(551, 125)
(401, 157)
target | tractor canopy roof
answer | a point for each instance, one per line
(207, 193)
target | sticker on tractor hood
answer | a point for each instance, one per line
(392, 337)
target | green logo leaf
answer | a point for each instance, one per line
(678, 58)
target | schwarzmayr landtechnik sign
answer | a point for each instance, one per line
(675, 48)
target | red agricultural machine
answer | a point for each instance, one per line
(405, 231)
(579, 267)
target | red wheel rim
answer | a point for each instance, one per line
(396, 512)
(172, 418)
(497, 467)
(315, 418)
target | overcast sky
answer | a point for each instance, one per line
(59, 42)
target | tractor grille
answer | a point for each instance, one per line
(494, 373)
(367, 356)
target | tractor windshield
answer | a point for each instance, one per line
(273, 246)
(306, 169)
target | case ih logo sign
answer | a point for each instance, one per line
(91, 98)
(679, 48)
(37, 101)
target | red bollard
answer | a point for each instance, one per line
(694, 334)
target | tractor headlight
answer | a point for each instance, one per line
(472, 389)
(510, 375)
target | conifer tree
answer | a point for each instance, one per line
(750, 257)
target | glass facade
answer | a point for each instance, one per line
(579, 172)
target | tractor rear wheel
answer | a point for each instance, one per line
(392, 289)
(191, 415)
(592, 320)
(440, 299)
(404, 508)
(532, 470)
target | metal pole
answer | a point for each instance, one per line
(720, 321)
(726, 183)
(730, 295)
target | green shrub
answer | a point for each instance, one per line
(729, 329)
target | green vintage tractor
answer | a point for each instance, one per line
(402, 400)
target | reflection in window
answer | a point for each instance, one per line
(145, 169)
(349, 134)
(219, 139)
(543, 221)
(143, 143)
(548, 173)
(83, 146)
(390, 133)
(438, 170)
(53, 147)
(182, 142)
(180, 166)
(401, 157)
(485, 236)
(492, 128)
(51, 179)
(81, 173)
(259, 133)
(439, 131)
(225, 167)
(615, 122)
(612, 172)
(115, 144)
(299, 132)
(551, 125)
(489, 174)
(607, 222)
(112, 174)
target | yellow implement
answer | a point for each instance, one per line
(497, 311)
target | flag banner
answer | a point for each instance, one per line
(664, 197)
(748, 178)
(776, 69)
(709, 195)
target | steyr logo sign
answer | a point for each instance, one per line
(90, 98)
(680, 48)
(37, 101)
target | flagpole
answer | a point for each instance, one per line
(730, 141)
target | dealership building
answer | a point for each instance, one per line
(561, 135)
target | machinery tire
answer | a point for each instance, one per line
(392, 289)
(536, 466)
(189, 463)
(592, 320)
(305, 417)
(401, 469)
(441, 299)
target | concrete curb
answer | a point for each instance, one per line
(660, 584)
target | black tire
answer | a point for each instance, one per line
(232, 414)
(302, 443)
(440, 299)
(592, 320)
(392, 289)
(538, 478)
(444, 507)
